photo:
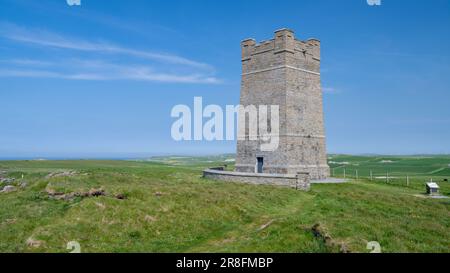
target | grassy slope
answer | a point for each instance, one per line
(197, 215)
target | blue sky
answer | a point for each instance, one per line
(100, 79)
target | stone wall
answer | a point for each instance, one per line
(298, 181)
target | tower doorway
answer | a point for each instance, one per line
(260, 164)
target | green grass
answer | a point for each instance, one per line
(196, 215)
(419, 169)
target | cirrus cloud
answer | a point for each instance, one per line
(186, 70)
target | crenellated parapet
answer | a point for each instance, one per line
(284, 47)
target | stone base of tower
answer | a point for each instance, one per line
(315, 172)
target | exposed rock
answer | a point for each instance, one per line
(7, 189)
(321, 234)
(61, 174)
(34, 243)
(7, 180)
(52, 192)
(96, 192)
(66, 197)
(70, 196)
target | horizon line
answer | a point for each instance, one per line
(123, 158)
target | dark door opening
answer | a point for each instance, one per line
(260, 164)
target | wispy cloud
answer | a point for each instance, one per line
(76, 69)
(50, 39)
(29, 62)
(92, 70)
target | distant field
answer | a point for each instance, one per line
(419, 169)
(163, 205)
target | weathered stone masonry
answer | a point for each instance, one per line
(286, 72)
(298, 181)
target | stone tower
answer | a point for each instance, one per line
(285, 71)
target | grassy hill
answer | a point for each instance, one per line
(163, 205)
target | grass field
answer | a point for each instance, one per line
(418, 169)
(168, 207)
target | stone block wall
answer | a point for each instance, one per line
(299, 181)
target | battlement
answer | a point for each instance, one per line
(284, 41)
